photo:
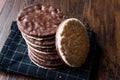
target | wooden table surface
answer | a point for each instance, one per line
(102, 16)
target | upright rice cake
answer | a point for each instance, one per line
(72, 42)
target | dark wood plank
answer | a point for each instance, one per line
(103, 16)
(73, 8)
(8, 15)
(9, 10)
(6, 9)
(2, 4)
(6, 76)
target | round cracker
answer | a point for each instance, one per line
(39, 20)
(43, 43)
(46, 57)
(39, 38)
(72, 42)
(52, 49)
(41, 46)
(44, 64)
(42, 52)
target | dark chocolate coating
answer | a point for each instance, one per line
(45, 64)
(39, 20)
(45, 56)
(47, 42)
(52, 49)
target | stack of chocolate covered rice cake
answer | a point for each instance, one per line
(38, 24)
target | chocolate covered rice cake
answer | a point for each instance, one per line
(45, 56)
(38, 24)
(45, 65)
(39, 20)
(44, 43)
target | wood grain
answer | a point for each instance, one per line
(8, 13)
(104, 18)
(2, 4)
(6, 76)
